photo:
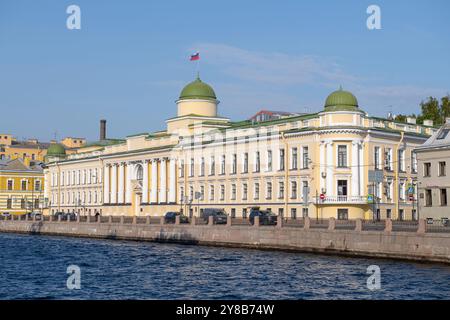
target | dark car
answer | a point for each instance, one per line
(57, 214)
(35, 215)
(266, 217)
(219, 215)
(171, 216)
(71, 216)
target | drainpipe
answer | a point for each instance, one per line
(396, 184)
(286, 173)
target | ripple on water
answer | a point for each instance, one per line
(36, 268)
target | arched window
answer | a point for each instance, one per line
(139, 173)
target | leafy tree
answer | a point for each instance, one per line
(431, 110)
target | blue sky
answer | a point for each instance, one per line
(129, 61)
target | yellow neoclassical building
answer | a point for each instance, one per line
(339, 162)
(21, 186)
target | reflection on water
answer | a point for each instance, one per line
(35, 267)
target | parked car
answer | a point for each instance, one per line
(69, 216)
(266, 217)
(57, 214)
(219, 215)
(36, 215)
(171, 216)
(6, 214)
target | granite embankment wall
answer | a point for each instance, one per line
(411, 241)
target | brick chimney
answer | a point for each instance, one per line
(102, 129)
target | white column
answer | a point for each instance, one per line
(361, 169)
(172, 180)
(128, 183)
(322, 167)
(162, 182)
(355, 169)
(114, 183)
(106, 198)
(154, 186)
(330, 164)
(145, 182)
(120, 197)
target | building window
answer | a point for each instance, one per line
(244, 191)
(388, 159)
(211, 192)
(10, 184)
(269, 190)
(428, 198)
(182, 194)
(191, 168)
(256, 191)
(305, 158)
(244, 213)
(202, 193)
(401, 214)
(24, 185)
(37, 185)
(377, 158)
(305, 191)
(294, 160)
(234, 164)
(269, 160)
(212, 166)
(233, 192)
(444, 197)
(281, 159)
(181, 169)
(413, 162)
(222, 192)
(389, 190)
(280, 212)
(388, 213)
(9, 203)
(442, 168)
(202, 166)
(427, 169)
(305, 212)
(233, 212)
(191, 193)
(293, 213)
(22, 203)
(443, 134)
(245, 163)
(342, 214)
(342, 156)
(222, 165)
(257, 162)
(281, 190)
(36, 203)
(401, 160)
(402, 190)
(293, 189)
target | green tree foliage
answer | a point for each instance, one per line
(431, 109)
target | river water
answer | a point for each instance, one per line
(35, 267)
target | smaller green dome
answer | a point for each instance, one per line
(197, 89)
(341, 100)
(56, 150)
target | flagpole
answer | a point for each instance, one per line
(198, 68)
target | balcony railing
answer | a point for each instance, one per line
(341, 199)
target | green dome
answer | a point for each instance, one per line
(341, 100)
(56, 150)
(197, 89)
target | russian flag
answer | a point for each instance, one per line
(195, 57)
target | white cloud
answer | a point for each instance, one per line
(273, 67)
